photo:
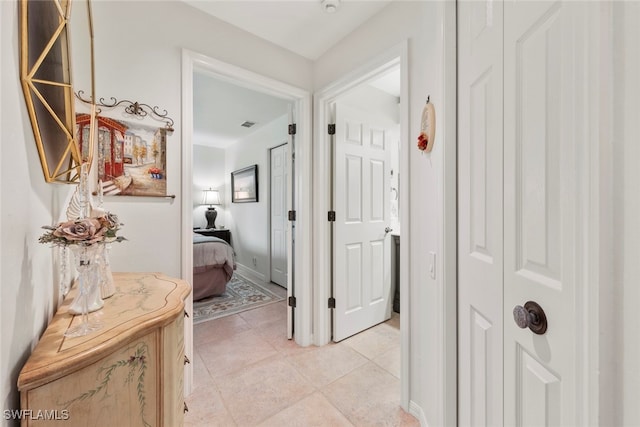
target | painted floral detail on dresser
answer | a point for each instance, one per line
(140, 294)
(137, 365)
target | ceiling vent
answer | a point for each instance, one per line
(247, 124)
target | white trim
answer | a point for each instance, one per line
(449, 331)
(599, 258)
(302, 99)
(416, 411)
(186, 217)
(243, 270)
(394, 57)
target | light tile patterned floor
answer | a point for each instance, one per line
(246, 373)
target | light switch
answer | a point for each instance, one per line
(432, 265)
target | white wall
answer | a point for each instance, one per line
(208, 172)
(138, 57)
(138, 52)
(249, 222)
(29, 290)
(423, 24)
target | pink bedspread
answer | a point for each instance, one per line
(213, 265)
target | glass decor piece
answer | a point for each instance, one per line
(88, 298)
(107, 287)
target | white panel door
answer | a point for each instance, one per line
(279, 226)
(361, 254)
(521, 221)
(480, 248)
(545, 125)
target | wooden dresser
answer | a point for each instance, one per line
(128, 373)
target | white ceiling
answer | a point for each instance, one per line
(221, 107)
(300, 26)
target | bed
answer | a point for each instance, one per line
(213, 266)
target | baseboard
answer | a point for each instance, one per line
(250, 273)
(416, 411)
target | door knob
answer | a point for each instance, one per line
(388, 230)
(531, 316)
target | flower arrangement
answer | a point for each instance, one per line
(100, 227)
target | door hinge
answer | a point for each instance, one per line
(331, 216)
(292, 302)
(292, 129)
(292, 215)
(332, 302)
(331, 129)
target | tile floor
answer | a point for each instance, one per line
(246, 373)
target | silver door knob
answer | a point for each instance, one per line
(388, 230)
(530, 316)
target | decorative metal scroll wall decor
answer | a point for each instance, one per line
(45, 73)
(135, 109)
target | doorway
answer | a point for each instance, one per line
(395, 58)
(301, 112)
(365, 160)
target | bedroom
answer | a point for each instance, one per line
(222, 145)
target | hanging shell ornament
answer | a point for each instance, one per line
(427, 128)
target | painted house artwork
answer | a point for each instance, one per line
(131, 157)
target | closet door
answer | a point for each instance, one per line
(546, 186)
(524, 183)
(480, 213)
(279, 226)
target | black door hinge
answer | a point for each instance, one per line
(332, 302)
(292, 215)
(331, 129)
(331, 216)
(292, 129)
(292, 302)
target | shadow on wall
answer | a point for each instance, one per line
(24, 307)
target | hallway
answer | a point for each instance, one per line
(246, 373)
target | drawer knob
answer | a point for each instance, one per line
(186, 314)
(186, 359)
(186, 408)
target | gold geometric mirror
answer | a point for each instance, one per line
(46, 75)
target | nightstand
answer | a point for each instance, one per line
(220, 233)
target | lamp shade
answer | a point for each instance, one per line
(210, 197)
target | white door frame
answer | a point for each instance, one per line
(303, 249)
(396, 56)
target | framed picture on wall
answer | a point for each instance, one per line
(244, 185)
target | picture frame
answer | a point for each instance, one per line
(244, 185)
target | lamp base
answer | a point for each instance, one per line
(211, 214)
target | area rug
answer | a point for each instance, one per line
(241, 294)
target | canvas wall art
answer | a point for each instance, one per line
(131, 157)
